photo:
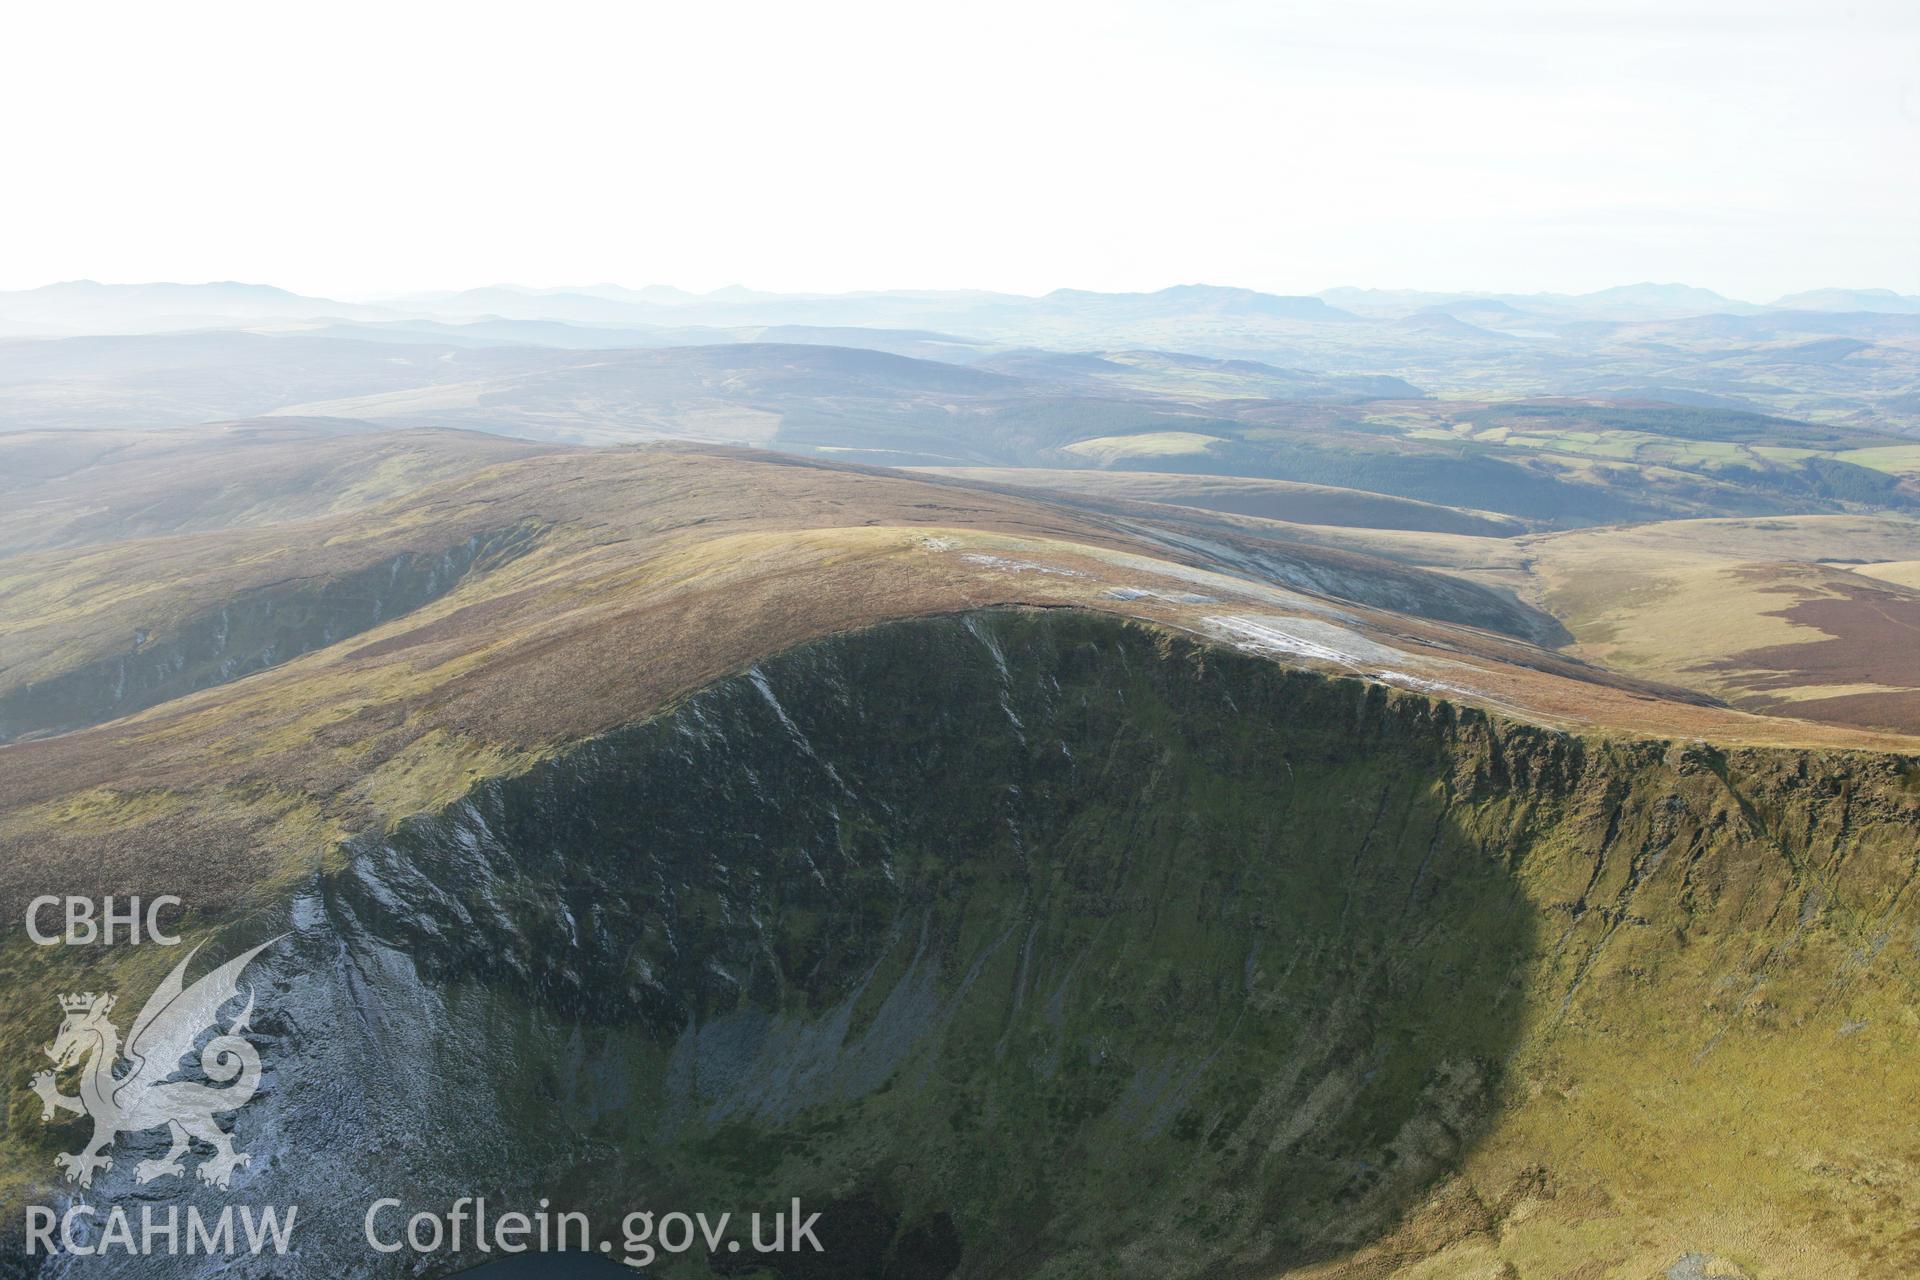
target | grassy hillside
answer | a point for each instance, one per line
(311, 678)
(80, 488)
(1902, 573)
(1267, 499)
(1765, 614)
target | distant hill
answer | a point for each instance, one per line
(1181, 374)
(172, 379)
(1188, 299)
(81, 488)
(1442, 324)
(87, 306)
(1850, 300)
(972, 314)
(1655, 300)
(512, 303)
(1623, 302)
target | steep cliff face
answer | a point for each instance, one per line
(257, 629)
(1043, 944)
(1037, 935)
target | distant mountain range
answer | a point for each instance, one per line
(1072, 316)
(1850, 356)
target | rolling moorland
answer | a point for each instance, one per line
(1182, 784)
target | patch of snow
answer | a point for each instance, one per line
(1303, 638)
(1243, 585)
(1168, 597)
(1404, 680)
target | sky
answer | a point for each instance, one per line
(358, 150)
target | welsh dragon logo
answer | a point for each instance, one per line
(142, 1094)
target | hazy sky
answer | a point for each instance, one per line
(354, 149)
